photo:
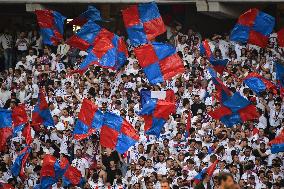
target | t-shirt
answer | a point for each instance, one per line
(22, 44)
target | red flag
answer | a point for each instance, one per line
(19, 115)
(280, 37)
(5, 186)
(212, 168)
(5, 133)
(249, 113)
(27, 134)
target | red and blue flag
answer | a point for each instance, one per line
(18, 167)
(51, 25)
(90, 14)
(277, 144)
(253, 27)
(259, 84)
(159, 61)
(27, 134)
(104, 47)
(117, 133)
(147, 95)
(90, 119)
(143, 23)
(223, 92)
(236, 109)
(5, 127)
(279, 68)
(41, 114)
(19, 118)
(155, 113)
(52, 170)
(72, 177)
(208, 170)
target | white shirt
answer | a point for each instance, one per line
(81, 164)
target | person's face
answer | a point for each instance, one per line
(150, 185)
(165, 185)
(78, 153)
(136, 186)
(149, 163)
(228, 184)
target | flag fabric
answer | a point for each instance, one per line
(280, 76)
(155, 113)
(236, 109)
(52, 170)
(159, 61)
(117, 133)
(277, 144)
(90, 14)
(90, 119)
(5, 127)
(18, 167)
(5, 186)
(253, 27)
(280, 37)
(19, 118)
(223, 93)
(259, 84)
(188, 123)
(208, 170)
(218, 64)
(104, 47)
(143, 23)
(167, 95)
(26, 133)
(41, 114)
(51, 25)
(72, 176)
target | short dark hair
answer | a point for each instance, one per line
(223, 177)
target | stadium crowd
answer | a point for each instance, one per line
(173, 159)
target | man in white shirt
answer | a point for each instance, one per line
(6, 41)
(81, 163)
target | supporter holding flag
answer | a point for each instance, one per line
(143, 23)
(205, 172)
(41, 114)
(253, 27)
(219, 65)
(159, 61)
(5, 127)
(51, 25)
(18, 167)
(90, 14)
(116, 133)
(90, 119)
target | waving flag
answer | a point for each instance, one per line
(280, 76)
(5, 127)
(51, 25)
(143, 23)
(236, 109)
(105, 48)
(41, 114)
(280, 37)
(258, 84)
(209, 171)
(73, 177)
(159, 61)
(19, 118)
(90, 14)
(205, 49)
(167, 95)
(89, 120)
(5, 186)
(277, 144)
(52, 170)
(117, 133)
(253, 27)
(223, 92)
(156, 113)
(18, 167)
